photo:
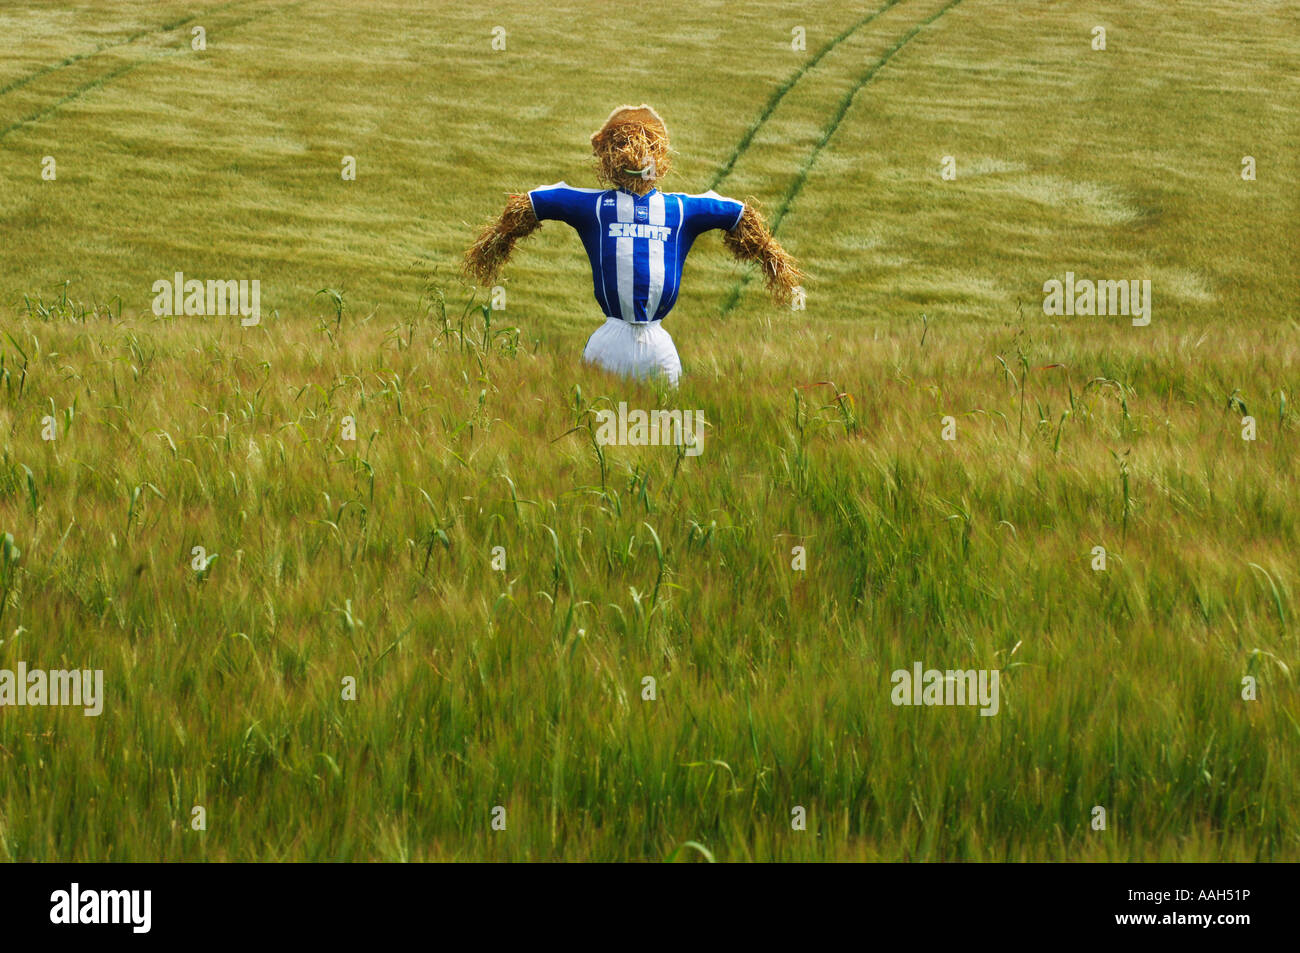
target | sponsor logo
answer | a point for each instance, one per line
(637, 230)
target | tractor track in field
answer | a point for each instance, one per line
(103, 80)
(846, 102)
(82, 90)
(78, 57)
(775, 100)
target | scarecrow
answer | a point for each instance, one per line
(637, 239)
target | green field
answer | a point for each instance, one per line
(372, 559)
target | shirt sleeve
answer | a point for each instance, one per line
(559, 203)
(711, 210)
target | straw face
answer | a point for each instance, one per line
(631, 149)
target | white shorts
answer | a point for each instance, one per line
(634, 350)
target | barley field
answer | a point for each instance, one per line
(475, 632)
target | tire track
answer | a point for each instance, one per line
(78, 57)
(775, 99)
(796, 185)
(94, 84)
(82, 90)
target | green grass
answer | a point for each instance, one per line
(523, 688)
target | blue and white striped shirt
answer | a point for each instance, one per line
(637, 243)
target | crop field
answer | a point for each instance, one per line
(363, 582)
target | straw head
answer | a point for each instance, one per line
(631, 148)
